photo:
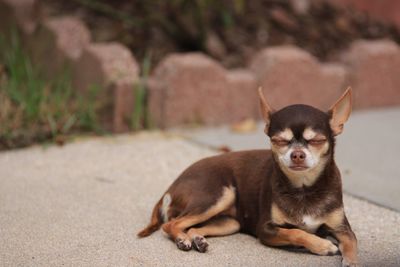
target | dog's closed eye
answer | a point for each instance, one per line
(279, 141)
(317, 142)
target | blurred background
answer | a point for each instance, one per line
(98, 67)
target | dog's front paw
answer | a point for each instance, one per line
(183, 244)
(324, 248)
(348, 263)
(200, 243)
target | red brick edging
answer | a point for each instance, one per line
(194, 88)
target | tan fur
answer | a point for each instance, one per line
(216, 227)
(340, 112)
(318, 151)
(299, 237)
(279, 149)
(286, 134)
(348, 248)
(301, 178)
(175, 227)
(307, 177)
(232, 212)
(309, 134)
(265, 108)
(333, 219)
(278, 217)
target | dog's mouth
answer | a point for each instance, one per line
(298, 167)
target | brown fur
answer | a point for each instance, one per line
(155, 222)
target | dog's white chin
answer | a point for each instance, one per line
(301, 177)
(308, 166)
(313, 166)
(299, 168)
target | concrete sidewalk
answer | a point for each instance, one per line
(367, 152)
(82, 204)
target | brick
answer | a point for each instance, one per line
(22, 13)
(58, 43)
(123, 104)
(335, 79)
(112, 67)
(104, 64)
(243, 98)
(72, 35)
(290, 75)
(193, 88)
(374, 72)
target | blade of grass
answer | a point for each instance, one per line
(68, 124)
(139, 113)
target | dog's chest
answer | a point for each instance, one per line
(306, 222)
(310, 223)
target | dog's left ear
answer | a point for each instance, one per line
(266, 110)
(340, 112)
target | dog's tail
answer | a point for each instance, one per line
(155, 222)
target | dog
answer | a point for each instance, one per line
(285, 196)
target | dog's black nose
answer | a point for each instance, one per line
(298, 156)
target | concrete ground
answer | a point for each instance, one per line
(82, 204)
(367, 152)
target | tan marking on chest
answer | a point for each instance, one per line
(335, 219)
(277, 216)
(307, 222)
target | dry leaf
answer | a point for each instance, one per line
(245, 126)
(224, 149)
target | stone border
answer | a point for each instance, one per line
(194, 88)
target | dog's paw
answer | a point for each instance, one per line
(200, 244)
(347, 263)
(325, 248)
(183, 244)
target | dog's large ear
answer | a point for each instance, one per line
(340, 112)
(266, 110)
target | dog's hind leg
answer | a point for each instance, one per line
(219, 226)
(177, 226)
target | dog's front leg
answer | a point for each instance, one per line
(271, 235)
(347, 242)
(348, 247)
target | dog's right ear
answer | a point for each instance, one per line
(266, 110)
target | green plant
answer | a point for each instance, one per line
(187, 22)
(33, 109)
(139, 115)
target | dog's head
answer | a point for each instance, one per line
(303, 137)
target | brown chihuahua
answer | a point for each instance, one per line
(286, 196)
